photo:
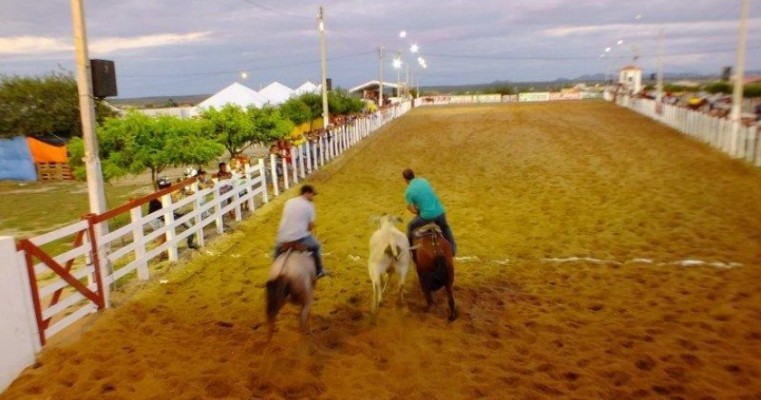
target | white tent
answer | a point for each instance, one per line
(307, 87)
(234, 94)
(276, 93)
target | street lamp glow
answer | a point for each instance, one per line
(639, 16)
(322, 26)
(403, 34)
(243, 75)
(414, 48)
(607, 49)
(620, 42)
(397, 63)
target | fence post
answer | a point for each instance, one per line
(308, 144)
(18, 333)
(301, 160)
(198, 202)
(171, 233)
(263, 174)
(285, 174)
(275, 179)
(322, 151)
(136, 214)
(295, 167)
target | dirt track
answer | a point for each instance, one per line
(526, 188)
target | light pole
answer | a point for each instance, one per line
(380, 77)
(323, 62)
(398, 65)
(737, 93)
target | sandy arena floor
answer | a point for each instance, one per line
(527, 188)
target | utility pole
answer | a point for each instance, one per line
(407, 81)
(737, 94)
(380, 80)
(659, 85)
(323, 57)
(95, 190)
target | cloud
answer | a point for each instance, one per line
(25, 45)
(36, 45)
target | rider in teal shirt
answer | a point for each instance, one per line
(423, 202)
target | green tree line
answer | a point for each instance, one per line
(134, 142)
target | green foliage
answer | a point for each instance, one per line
(341, 104)
(718, 87)
(752, 91)
(679, 89)
(46, 104)
(137, 142)
(269, 124)
(314, 102)
(232, 127)
(296, 111)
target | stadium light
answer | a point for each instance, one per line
(403, 34)
(414, 48)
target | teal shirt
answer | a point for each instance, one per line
(420, 193)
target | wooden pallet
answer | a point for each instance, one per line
(54, 172)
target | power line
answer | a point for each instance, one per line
(270, 9)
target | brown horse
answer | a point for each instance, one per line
(292, 277)
(434, 264)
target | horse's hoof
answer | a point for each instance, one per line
(452, 317)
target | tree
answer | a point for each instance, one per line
(296, 111)
(341, 104)
(314, 102)
(269, 124)
(137, 142)
(232, 127)
(46, 104)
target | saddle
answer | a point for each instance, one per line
(294, 246)
(430, 229)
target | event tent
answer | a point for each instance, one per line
(276, 93)
(16, 162)
(307, 87)
(234, 94)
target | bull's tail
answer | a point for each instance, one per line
(393, 250)
(277, 293)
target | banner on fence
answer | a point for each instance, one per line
(510, 98)
(564, 96)
(540, 96)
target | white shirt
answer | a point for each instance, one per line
(297, 214)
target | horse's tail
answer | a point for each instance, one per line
(439, 276)
(277, 291)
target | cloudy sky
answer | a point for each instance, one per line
(179, 47)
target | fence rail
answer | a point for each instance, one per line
(715, 131)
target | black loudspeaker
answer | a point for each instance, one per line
(103, 78)
(329, 84)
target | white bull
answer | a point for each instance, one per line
(389, 252)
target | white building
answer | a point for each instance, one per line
(630, 78)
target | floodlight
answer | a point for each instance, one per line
(403, 34)
(414, 48)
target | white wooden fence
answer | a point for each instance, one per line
(55, 291)
(715, 131)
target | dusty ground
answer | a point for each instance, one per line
(527, 187)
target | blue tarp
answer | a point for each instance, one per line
(16, 161)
